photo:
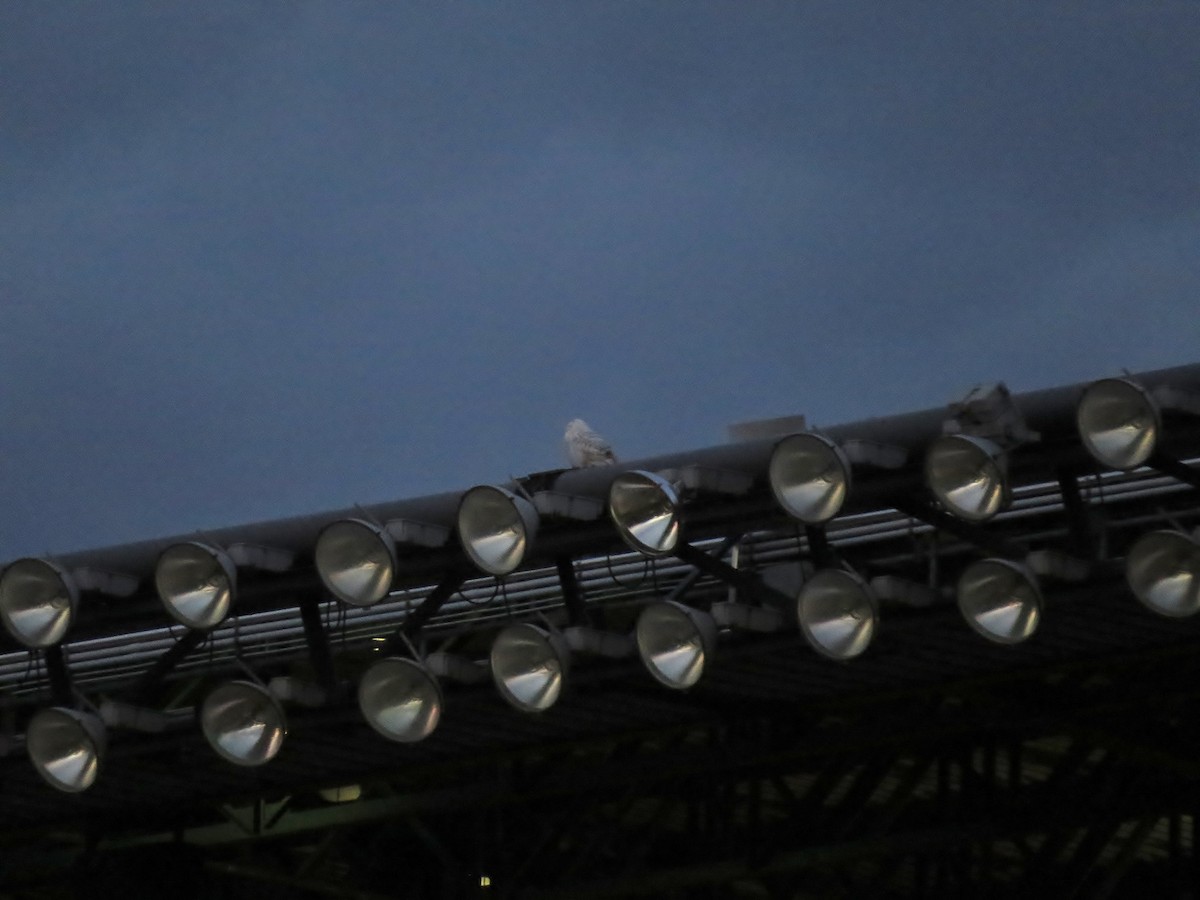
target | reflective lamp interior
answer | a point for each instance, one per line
(195, 583)
(675, 642)
(356, 561)
(810, 476)
(1118, 423)
(243, 723)
(495, 527)
(965, 474)
(65, 747)
(37, 602)
(838, 613)
(645, 509)
(528, 666)
(400, 699)
(1000, 600)
(1163, 570)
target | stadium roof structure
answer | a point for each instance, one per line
(941, 653)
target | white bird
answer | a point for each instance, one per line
(585, 448)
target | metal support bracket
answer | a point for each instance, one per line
(921, 510)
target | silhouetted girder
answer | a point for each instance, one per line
(977, 536)
(841, 819)
(577, 611)
(1105, 882)
(938, 840)
(1098, 782)
(1152, 746)
(896, 724)
(300, 883)
(151, 680)
(1173, 466)
(316, 638)
(885, 816)
(1079, 518)
(1142, 685)
(419, 618)
(1022, 811)
(59, 676)
(1081, 865)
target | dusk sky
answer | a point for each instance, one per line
(260, 260)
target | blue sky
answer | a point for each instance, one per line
(259, 260)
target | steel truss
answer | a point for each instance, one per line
(935, 765)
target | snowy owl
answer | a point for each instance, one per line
(585, 448)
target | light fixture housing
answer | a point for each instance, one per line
(1119, 423)
(401, 699)
(66, 747)
(196, 583)
(1000, 600)
(496, 528)
(810, 477)
(838, 613)
(645, 508)
(1163, 571)
(243, 722)
(38, 601)
(529, 665)
(675, 642)
(356, 560)
(968, 475)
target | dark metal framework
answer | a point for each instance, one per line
(936, 764)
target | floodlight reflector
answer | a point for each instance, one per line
(675, 642)
(66, 747)
(38, 600)
(967, 474)
(810, 477)
(243, 723)
(1163, 570)
(528, 665)
(1000, 599)
(400, 699)
(356, 560)
(838, 612)
(645, 509)
(196, 583)
(1119, 423)
(496, 528)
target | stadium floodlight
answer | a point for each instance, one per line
(1163, 570)
(529, 665)
(838, 613)
(1000, 600)
(66, 747)
(38, 600)
(356, 560)
(401, 699)
(967, 475)
(810, 477)
(1119, 423)
(196, 583)
(496, 528)
(645, 509)
(675, 642)
(243, 722)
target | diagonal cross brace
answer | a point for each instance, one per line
(419, 617)
(722, 571)
(926, 512)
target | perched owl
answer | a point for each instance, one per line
(585, 448)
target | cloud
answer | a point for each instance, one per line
(258, 260)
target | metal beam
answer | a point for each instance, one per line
(146, 686)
